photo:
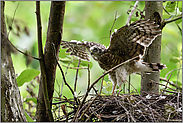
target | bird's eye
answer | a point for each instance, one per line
(95, 49)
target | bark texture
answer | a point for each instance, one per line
(54, 35)
(153, 53)
(11, 103)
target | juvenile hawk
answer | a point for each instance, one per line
(125, 43)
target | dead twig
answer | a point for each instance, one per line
(162, 85)
(75, 67)
(171, 83)
(113, 22)
(76, 78)
(130, 16)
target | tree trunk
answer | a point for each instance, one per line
(11, 103)
(153, 53)
(54, 35)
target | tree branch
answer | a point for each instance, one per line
(54, 35)
(169, 21)
(130, 16)
(42, 62)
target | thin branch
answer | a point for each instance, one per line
(53, 45)
(88, 76)
(130, 16)
(169, 21)
(129, 84)
(75, 67)
(162, 85)
(76, 76)
(20, 50)
(167, 82)
(171, 83)
(13, 18)
(42, 62)
(113, 22)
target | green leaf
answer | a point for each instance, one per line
(31, 99)
(29, 119)
(26, 76)
(174, 60)
(170, 7)
(180, 6)
(178, 21)
(107, 85)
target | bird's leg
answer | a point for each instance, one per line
(114, 87)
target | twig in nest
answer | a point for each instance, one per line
(64, 111)
(87, 108)
(130, 16)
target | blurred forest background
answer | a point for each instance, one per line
(89, 21)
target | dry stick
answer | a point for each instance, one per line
(75, 67)
(53, 45)
(127, 112)
(42, 63)
(171, 83)
(167, 82)
(89, 79)
(162, 85)
(130, 16)
(113, 22)
(129, 85)
(97, 81)
(171, 72)
(13, 18)
(20, 50)
(76, 76)
(178, 101)
(88, 76)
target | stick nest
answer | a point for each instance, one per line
(124, 108)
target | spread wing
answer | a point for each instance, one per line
(130, 41)
(79, 49)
